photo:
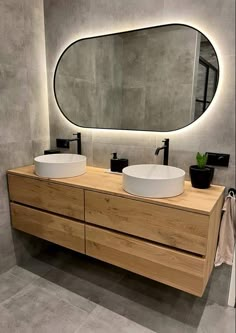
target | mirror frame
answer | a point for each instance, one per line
(122, 32)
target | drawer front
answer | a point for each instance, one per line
(173, 227)
(172, 267)
(50, 227)
(57, 198)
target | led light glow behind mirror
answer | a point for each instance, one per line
(155, 79)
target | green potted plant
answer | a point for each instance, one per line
(201, 174)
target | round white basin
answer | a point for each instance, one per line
(60, 165)
(153, 180)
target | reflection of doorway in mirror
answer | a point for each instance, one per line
(208, 75)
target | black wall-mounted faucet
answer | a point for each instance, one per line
(65, 143)
(78, 139)
(166, 151)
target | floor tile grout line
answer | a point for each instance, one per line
(27, 285)
(43, 277)
(63, 299)
(38, 276)
(56, 296)
(21, 278)
(21, 289)
(86, 320)
(17, 293)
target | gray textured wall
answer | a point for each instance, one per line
(66, 21)
(24, 128)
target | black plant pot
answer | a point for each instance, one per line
(201, 178)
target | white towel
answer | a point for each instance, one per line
(227, 236)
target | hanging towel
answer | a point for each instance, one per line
(227, 235)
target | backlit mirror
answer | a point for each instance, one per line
(155, 79)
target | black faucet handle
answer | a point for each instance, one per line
(78, 135)
(166, 141)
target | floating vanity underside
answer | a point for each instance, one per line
(171, 240)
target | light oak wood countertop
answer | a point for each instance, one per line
(96, 179)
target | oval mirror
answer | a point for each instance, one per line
(155, 79)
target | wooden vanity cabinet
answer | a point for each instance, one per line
(173, 227)
(47, 195)
(51, 227)
(170, 240)
(175, 268)
(48, 210)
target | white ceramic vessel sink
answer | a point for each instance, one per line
(60, 165)
(153, 180)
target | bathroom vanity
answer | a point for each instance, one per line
(171, 240)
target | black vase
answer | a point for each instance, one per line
(201, 178)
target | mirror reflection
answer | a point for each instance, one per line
(157, 79)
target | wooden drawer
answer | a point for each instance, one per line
(57, 198)
(173, 227)
(50, 227)
(172, 267)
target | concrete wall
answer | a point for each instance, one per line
(66, 21)
(24, 127)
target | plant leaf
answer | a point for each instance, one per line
(201, 160)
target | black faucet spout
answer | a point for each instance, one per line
(158, 150)
(166, 151)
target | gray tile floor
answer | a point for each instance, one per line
(62, 291)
